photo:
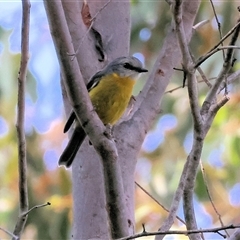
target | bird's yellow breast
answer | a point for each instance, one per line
(111, 96)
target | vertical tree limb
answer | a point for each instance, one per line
(202, 117)
(190, 11)
(195, 154)
(22, 161)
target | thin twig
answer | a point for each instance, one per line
(175, 202)
(9, 233)
(209, 54)
(187, 64)
(103, 7)
(93, 19)
(81, 42)
(168, 222)
(219, 25)
(211, 97)
(210, 198)
(235, 235)
(199, 81)
(189, 232)
(202, 73)
(194, 156)
(231, 78)
(22, 161)
(153, 198)
(200, 24)
(215, 108)
(225, 37)
(37, 206)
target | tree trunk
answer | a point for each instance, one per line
(112, 22)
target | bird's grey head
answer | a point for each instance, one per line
(125, 67)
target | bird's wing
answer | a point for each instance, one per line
(95, 79)
(69, 122)
(72, 147)
(92, 84)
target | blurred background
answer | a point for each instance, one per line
(164, 150)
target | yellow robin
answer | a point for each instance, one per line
(110, 91)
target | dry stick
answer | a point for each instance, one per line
(187, 62)
(235, 235)
(37, 206)
(188, 233)
(219, 25)
(199, 81)
(200, 24)
(153, 198)
(22, 161)
(209, 54)
(14, 237)
(175, 203)
(226, 67)
(200, 126)
(210, 198)
(211, 51)
(195, 153)
(208, 112)
(226, 36)
(199, 135)
(90, 27)
(231, 78)
(204, 78)
(179, 191)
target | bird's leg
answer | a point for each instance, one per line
(109, 131)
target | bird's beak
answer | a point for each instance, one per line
(140, 70)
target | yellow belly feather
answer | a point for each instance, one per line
(111, 97)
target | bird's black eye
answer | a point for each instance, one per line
(128, 66)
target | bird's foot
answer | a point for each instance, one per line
(109, 131)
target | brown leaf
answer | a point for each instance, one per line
(86, 16)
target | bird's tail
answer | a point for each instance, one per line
(72, 147)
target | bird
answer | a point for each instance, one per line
(110, 91)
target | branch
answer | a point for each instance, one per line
(14, 237)
(226, 67)
(209, 54)
(187, 64)
(89, 119)
(188, 233)
(210, 197)
(90, 26)
(195, 154)
(154, 199)
(218, 23)
(231, 78)
(22, 161)
(200, 71)
(202, 118)
(175, 203)
(235, 235)
(168, 58)
(37, 206)
(226, 36)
